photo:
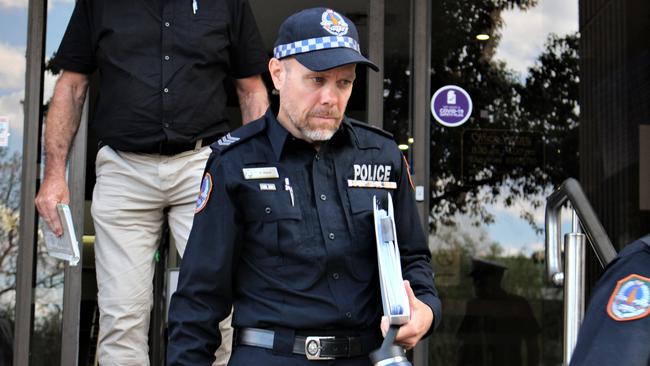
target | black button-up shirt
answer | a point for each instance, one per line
(161, 65)
(296, 250)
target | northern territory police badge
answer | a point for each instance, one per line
(630, 299)
(204, 194)
(334, 23)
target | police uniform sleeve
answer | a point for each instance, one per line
(204, 294)
(75, 52)
(414, 249)
(616, 327)
(247, 55)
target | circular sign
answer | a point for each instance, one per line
(451, 105)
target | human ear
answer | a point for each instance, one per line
(277, 72)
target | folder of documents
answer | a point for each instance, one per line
(66, 246)
(393, 292)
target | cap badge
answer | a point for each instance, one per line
(630, 299)
(334, 23)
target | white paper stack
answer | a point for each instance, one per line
(393, 292)
(66, 246)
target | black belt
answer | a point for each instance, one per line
(166, 148)
(314, 347)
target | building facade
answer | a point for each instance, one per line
(494, 104)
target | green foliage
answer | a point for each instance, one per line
(544, 108)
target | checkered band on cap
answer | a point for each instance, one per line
(314, 44)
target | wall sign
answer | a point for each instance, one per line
(451, 106)
(4, 131)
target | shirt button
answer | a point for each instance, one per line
(348, 315)
(166, 125)
(323, 197)
(167, 24)
(335, 276)
(166, 90)
(166, 58)
(317, 157)
(331, 236)
(267, 210)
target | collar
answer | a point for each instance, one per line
(278, 135)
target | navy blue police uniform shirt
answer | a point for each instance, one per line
(162, 66)
(283, 233)
(616, 328)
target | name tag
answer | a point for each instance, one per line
(261, 173)
(371, 184)
(267, 187)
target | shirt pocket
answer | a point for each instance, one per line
(271, 224)
(211, 32)
(363, 222)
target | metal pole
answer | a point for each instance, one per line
(421, 92)
(574, 286)
(72, 275)
(26, 269)
(376, 54)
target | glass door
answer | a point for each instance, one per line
(13, 40)
(504, 131)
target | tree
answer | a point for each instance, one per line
(49, 271)
(538, 118)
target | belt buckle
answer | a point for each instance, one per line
(313, 348)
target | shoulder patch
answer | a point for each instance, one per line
(239, 135)
(630, 299)
(204, 194)
(370, 127)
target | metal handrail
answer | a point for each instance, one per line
(571, 271)
(570, 190)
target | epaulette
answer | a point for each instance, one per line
(646, 240)
(239, 135)
(370, 127)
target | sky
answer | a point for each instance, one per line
(13, 40)
(523, 38)
(524, 33)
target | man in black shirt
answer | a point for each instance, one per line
(284, 228)
(161, 102)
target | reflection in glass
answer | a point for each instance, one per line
(490, 178)
(397, 75)
(499, 327)
(13, 25)
(48, 291)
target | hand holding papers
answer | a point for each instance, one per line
(66, 246)
(393, 293)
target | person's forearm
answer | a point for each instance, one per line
(253, 98)
(62, 121)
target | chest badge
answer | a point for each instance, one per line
(372, 176)
(204, 194)
(630, 299)
(267, 187)
(260, 173)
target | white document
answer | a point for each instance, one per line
(66, 246)
(393, 293)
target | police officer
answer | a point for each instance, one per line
(284, 230)
(616, 328)
(497, 324)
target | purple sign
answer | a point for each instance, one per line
(451, 106)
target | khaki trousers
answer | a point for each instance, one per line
(129, 197)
